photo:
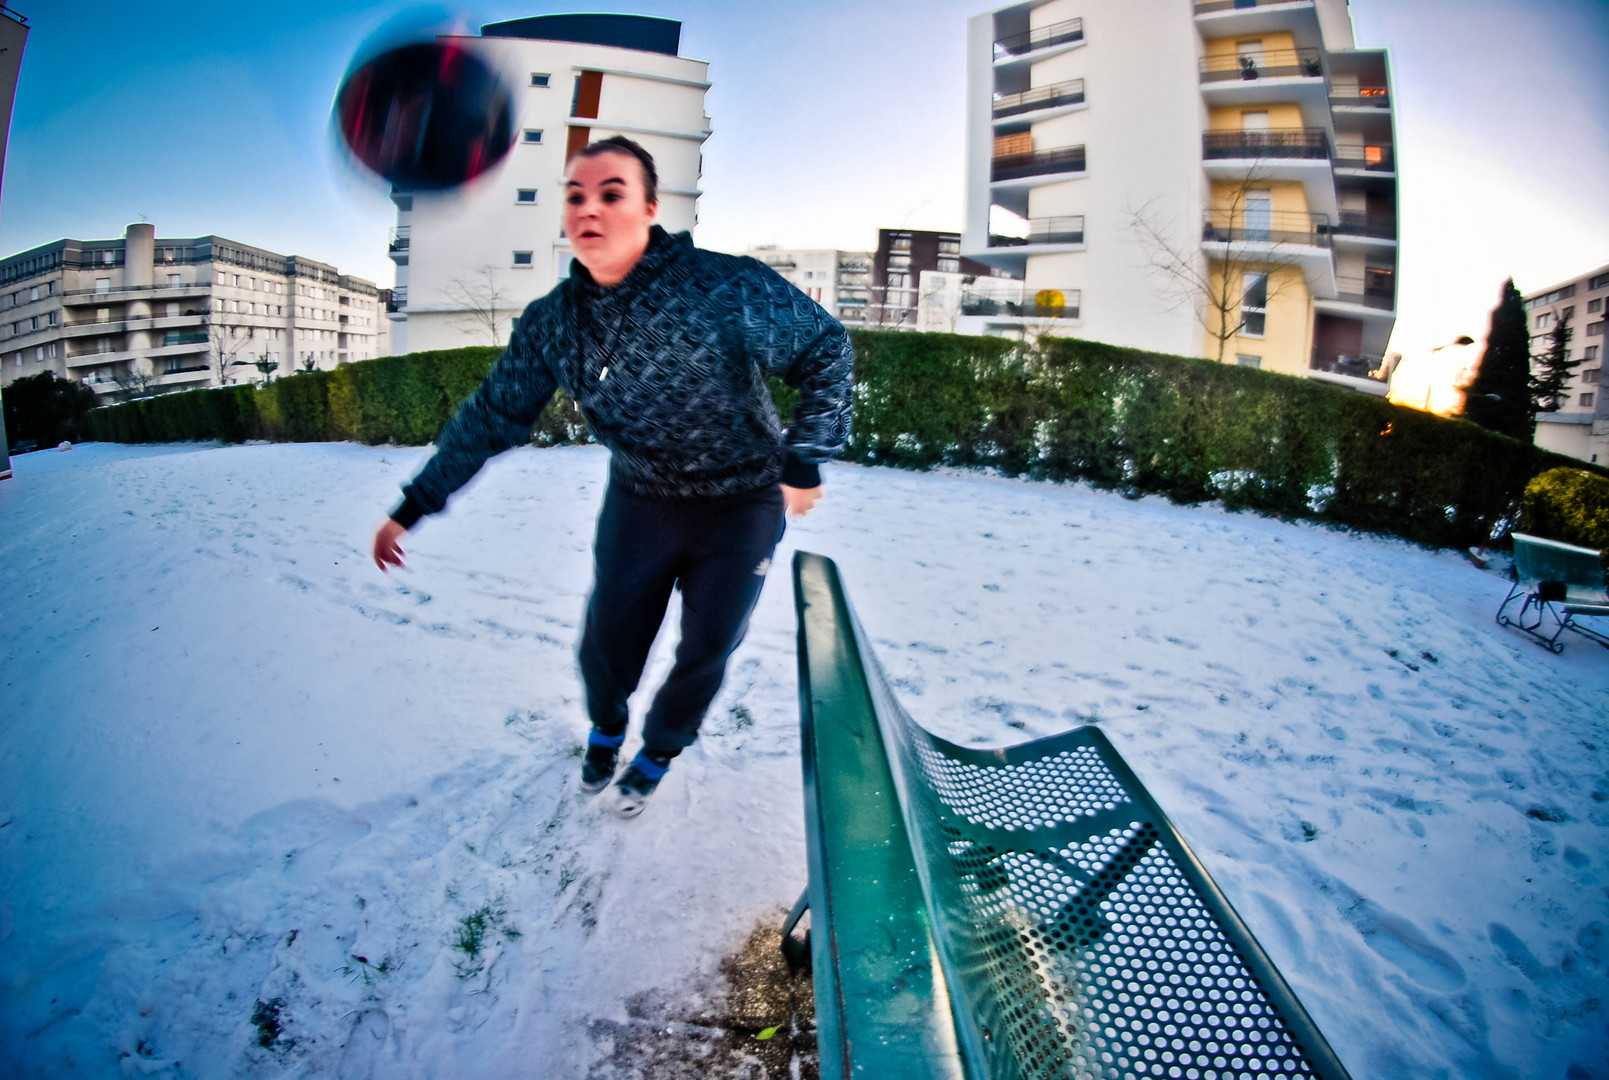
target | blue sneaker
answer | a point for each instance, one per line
(598, 767)
(638, 782)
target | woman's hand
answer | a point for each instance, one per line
(386, 548)
(798, 501)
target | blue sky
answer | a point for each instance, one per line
(831, 119)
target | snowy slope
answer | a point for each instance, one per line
(252, 792)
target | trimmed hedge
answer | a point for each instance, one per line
(1066, 409)
(1569, 505)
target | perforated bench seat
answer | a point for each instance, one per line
(1028, 912)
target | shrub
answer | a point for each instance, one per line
(46, 409)
(1568, 505)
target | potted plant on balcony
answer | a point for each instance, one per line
(1248, 67)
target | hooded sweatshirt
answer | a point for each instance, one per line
(668, 366)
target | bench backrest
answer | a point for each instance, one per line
(1536, 559)
(1077, 932)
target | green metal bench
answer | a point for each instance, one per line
(1020, 913)
(1557, 581)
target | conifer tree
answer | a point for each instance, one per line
(1553, 367)
(1500, 396)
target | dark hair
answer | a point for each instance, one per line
(619, 144)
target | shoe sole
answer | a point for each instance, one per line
(593, 789)
(622, 809)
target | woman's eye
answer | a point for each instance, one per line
(574, 200)
(612, 197)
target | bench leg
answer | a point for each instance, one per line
(797, 950)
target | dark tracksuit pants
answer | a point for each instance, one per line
(717, 552)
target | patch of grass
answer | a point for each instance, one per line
(265, 1018)
(470, 935)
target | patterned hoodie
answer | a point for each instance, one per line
(669, 367)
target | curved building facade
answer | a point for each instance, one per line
(468, 261)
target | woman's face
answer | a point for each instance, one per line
(607, 214)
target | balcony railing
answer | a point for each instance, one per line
(398, 301)
(399, 239)
(175, 338)
(1374, 290)
(1046, 230)
(1040, 97)
(1016, 302)
(1373, 158)
(1278, 63)
(1207, 7)
(1274, 227)
(1367, 97)
(1359, 367)
(1043, 38)
(1359, 223)
(1018, 166)
(1272, 143)
(153, 287)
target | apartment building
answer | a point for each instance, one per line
(1580, 428)
(468, 261)
(141, 314)
(1211, 179)
(903, 256)
(839, 281)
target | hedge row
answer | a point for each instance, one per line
(1067, 409)
(1569, 505)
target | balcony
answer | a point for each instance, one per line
(1054, 96)
(1014, 301)
(1068, 159)
(398, 301)
(1359, 223)
(1276, 64)
(1378, 159)
(1046, 230)
(1367, 97)
(122, 292)
(1373, 290)
(1356, 367)
(175, 337)
(1209, 7)
(1309, 143)
(1046, 37)
(1273, 227)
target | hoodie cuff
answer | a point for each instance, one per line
(799, 474)
(408, 511)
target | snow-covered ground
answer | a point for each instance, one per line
(253, 792)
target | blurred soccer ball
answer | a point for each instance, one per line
(425, 116)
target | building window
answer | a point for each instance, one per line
(532, 135)
(1544, 319)
(1595, 306)
(899, 262)
(1590, 353)
(1599, 282)
(522, 259)
(539, 78)
(1253, 304)
(50, 350)
(1247, 360)
(1595, 329)
(525, 196)
(103, 285)
(1586, 400)
(1590, 376)
(950, 265)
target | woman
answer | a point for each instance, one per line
(665, 348)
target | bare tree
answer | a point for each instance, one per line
(135, 380)
(1236, 256)
(224, 349)
(483, 301)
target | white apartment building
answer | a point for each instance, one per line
(141, 314)
(839, 281)
(470, 260)
(1212, 178)
(1580, 428)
